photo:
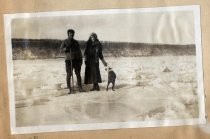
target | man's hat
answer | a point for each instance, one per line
(70, 31)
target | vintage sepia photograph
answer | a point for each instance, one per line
(104, 69)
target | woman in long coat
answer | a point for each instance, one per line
(93, 53)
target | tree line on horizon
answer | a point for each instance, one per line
(49, 49)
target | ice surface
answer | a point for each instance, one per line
(143, 92)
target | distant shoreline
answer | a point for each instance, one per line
(49, 49)
(34, 40)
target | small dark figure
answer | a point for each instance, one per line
(111, 78)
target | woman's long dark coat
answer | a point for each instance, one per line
(93, 53)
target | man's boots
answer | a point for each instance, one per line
(80, 85)
(68, 81)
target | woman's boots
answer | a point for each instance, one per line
(95, 87)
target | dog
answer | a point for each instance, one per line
(111, 78)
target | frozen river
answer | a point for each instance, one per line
(143, 92)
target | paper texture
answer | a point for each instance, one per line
(156, 54)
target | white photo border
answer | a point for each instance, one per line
(95, 126)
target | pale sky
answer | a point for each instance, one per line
(160, 27)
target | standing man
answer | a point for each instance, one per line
(73, 59)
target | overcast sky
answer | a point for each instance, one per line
(160, 27)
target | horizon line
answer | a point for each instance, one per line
(108, 41)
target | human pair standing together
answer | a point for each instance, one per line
(92, 54)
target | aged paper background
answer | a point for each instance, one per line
(192, 132)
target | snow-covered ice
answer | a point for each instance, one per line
(143, 92)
